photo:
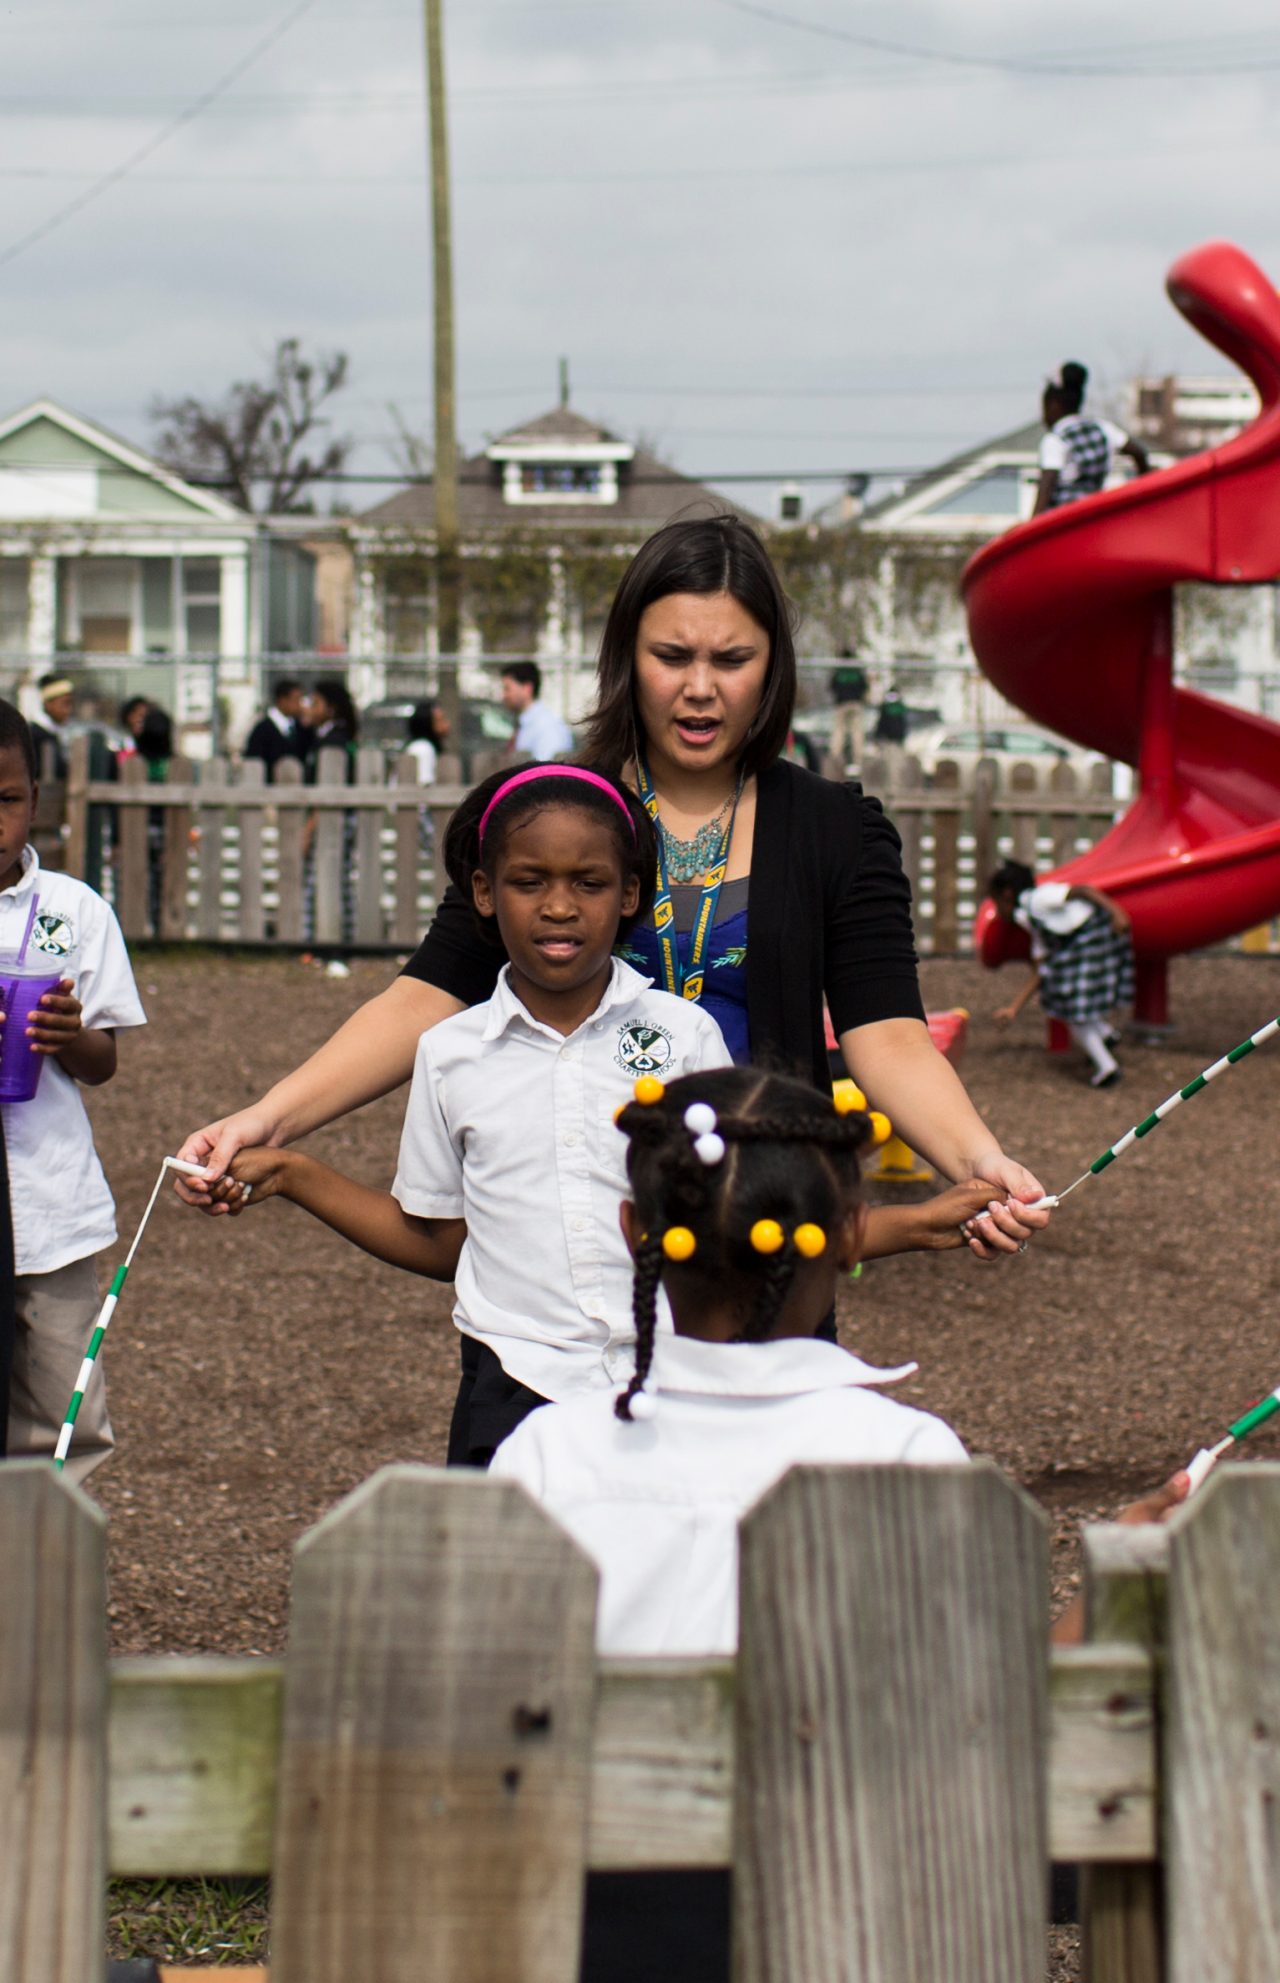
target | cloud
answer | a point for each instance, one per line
(685, 199)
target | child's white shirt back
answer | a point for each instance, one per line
(62, 1204)
(510, 1126)
(656, 1503)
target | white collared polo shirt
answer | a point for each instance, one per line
(62, 1205)
(656, 1503)
(510, 1127)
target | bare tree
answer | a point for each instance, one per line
(411, 452)
(262, 444)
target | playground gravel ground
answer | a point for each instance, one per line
(259, 1368)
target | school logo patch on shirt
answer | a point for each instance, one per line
(54, 935)
(643, 1049)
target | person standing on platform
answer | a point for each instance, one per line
(279, 733)
(539, 730)
(1077, 452)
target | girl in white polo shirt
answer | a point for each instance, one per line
(511, 1169)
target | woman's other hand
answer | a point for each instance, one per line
(214, 1146)
(1009, 1221)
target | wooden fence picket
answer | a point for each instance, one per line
(1025, 817)
(1122, 1901)
(892, 1724)
(369, 924)
(406, 927)
(946, 850)
(1222, 1750)
(440, 1686)
(210, 820)
(53, 1697)
(251, 780)
(1064, 826)
(131, 850)
(290, 857)
(172, 845)
(328, 849)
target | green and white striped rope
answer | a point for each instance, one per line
(1148, 1123)
(1207, 1458)
(107, 1310)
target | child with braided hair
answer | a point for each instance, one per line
(745, 1209)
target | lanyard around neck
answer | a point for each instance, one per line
(685, 981)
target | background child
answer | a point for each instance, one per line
(1083, 958)
(63, 1214)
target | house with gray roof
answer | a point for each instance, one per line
(551, 512)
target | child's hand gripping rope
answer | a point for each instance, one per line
(108, 1310)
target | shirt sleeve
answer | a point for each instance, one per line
(869, 969)
(1053, 452)
(454, 956)
(519, 1457)
(708, 1049)
(1046, 897)
(105, 983)
(1115, 435)
(933, 1444)
(428, 1180)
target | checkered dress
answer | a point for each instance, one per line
(1090, 451)
(1087, 974)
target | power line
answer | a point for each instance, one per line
(1006, 64)
(153, 144)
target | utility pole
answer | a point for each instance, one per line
(445, 480)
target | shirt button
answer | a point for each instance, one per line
(579, 1225)
(569, 1139)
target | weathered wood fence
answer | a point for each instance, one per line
(215, 855)
(887, 1766)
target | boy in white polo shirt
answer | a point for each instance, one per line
(63, 1215)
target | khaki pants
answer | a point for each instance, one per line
(55, 1316)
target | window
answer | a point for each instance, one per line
(15, 587)
(202, 604)
(560, 478)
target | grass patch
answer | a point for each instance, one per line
(210, 1921)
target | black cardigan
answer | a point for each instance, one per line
(829, 911)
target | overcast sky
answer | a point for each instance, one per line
(762, 245)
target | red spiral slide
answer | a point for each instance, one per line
(1070, 616)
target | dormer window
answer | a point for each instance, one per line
(560, 478)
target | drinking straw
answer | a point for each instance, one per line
(108, 1308)
(31, 923)
(1207, 1458)
(1157, 1115)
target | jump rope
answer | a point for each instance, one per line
(1199, 1468)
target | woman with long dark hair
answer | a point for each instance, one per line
(775, 887)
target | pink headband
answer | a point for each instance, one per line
(532, 771)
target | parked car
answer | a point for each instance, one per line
(1007, 743)
(482, 726)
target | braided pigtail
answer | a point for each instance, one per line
(644, 1309)
(777, 1272)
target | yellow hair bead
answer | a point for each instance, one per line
(649, 1089)
(617, 1114)
(678, 1243)
(810, 1240)
(848, 1097)
(881, 1128)
(767, 1236)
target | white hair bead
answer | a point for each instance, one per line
(699, 1118)
(709, 1149)
(642, 1406)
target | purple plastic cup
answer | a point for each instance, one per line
(22, 986)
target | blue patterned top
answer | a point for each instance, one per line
(724, 991)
